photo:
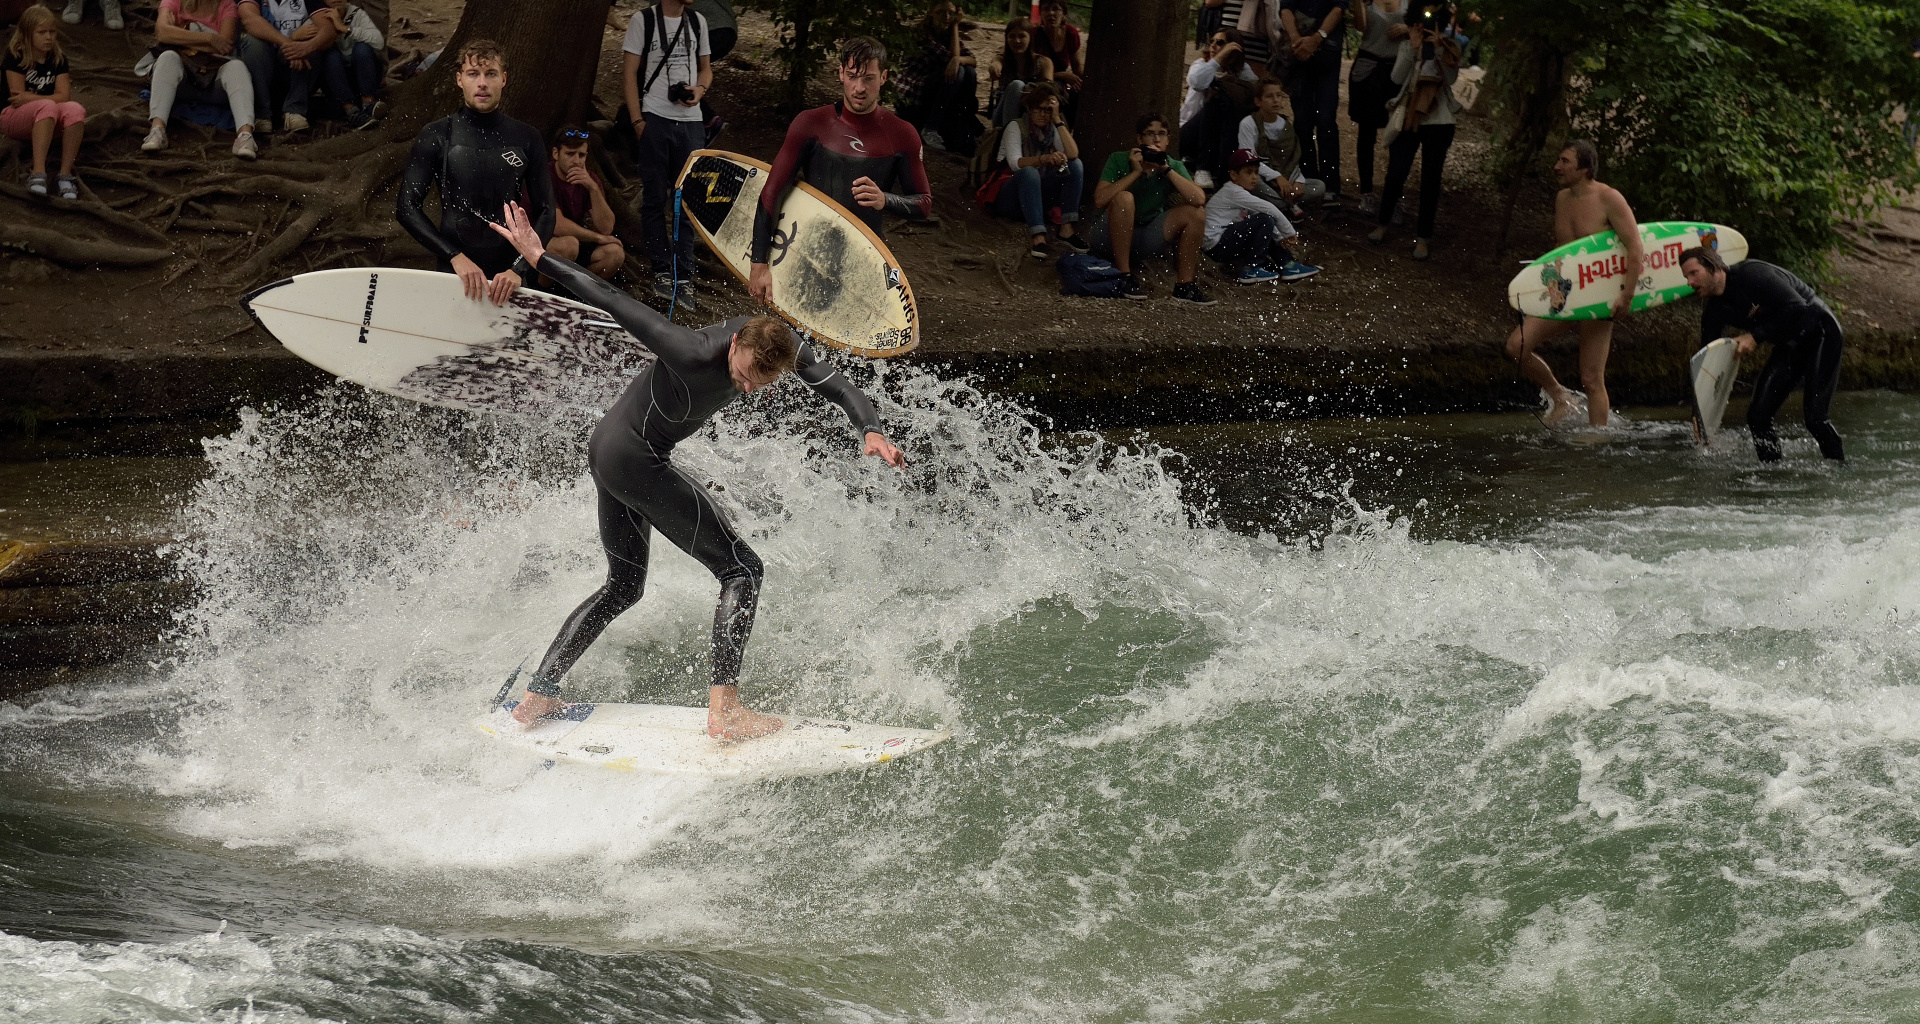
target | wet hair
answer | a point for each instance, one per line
(481, 50)
(772, 343)
(1146, 121)
(856, 52)
(1707, 258)
(1038, 93)
(1585, 156)
(32, 20)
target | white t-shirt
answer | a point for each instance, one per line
(1249, 140)
(286, 15)
(682, 65)
(1013, 144)
(1232, 204)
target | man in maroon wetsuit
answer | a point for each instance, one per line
(866, 158)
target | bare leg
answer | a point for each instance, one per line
(1520, 348)
(43, 141)
(1596, 340)
(1188, 225)
(608, 259)
(1120, 230)
(70, 150)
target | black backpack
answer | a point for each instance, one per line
(1088, 275)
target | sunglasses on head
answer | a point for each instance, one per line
(576, 135)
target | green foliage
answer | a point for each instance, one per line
(811, 30)
(1775, 116)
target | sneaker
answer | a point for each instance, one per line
(1204, 179)
(1369, 205)
(663, 287)
(1130, 288)
(156, 139)
(37, 184)
(263, 126)
(72, 17)
(244, 147)
(685, 297)
(1333, 199)
(1255, 275)
(1297, 271)
(714, 128)
(358, 118)
(110, 12)
(1077, 242)
(294, 122)
(1191, 292)
(1040, 250)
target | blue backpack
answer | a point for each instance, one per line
(1088, 275)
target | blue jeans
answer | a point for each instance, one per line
(349, 79)
(1029, 193)
(264, 64)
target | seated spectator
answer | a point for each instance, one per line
(198, 64)
(1220, 90)
(40, 99)
(939, 87)
(109, 14)
(1017, 68)
(273, 56)
(1040, 153)
(1248, 233)
(352, 73)
(1059, 41)
(583, 222)
(1273, 139)
(1150, 207)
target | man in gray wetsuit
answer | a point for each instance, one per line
(695, 374)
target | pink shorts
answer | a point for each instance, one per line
(18, 121)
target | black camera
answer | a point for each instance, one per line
(1434, 17)
(680, 92)
(1152, 156)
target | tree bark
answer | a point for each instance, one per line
(803, 62)
(553, 52)
(1532, 85)
(1135, 64)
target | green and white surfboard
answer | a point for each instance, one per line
(1581, 279)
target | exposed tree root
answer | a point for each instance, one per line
(76, 252)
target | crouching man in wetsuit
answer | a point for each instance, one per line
(482, 160)
(863, 156)
(695, 374)
(1778, 309)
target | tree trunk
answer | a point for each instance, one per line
(553, 52)
(1135, 64)
(1532, 86)
(802, 60)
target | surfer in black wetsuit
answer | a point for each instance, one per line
(1777, 309)
(482, 159)
(696, 374)
(863, 156)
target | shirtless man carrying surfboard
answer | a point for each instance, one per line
(1582, 207)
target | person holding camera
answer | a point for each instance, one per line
(667, 69)
(1425, 69)
(1220, 88)
(1150, 207)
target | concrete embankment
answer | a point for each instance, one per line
(72, 604)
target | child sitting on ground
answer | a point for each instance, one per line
(1271, 136)
(40, 99)
(1245, 231)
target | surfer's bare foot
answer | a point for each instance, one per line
(1562, 407)
(728, 719)
(535, 706)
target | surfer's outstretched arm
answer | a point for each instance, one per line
(826, 379)
(676, 345)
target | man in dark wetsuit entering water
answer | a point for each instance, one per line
(1779, 309)
(863, 157)
(695, 374)
(482, 160)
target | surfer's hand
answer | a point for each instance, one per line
(517, 230)
(867, 194)
(472, 279)
(878, 445)
(760, 283)
(1744, 345)
(501, 288)
(1623, 305)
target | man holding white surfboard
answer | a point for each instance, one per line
(1582, 207)
(858, 153)
(695, 374)
(1779, 309)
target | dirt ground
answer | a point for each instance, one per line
(978, 289)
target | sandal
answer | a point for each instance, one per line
(37, 184)
(69, 187)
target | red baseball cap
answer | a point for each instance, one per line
(1242, 158)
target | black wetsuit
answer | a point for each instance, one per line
(639, 487)
(482, 162)
(1779, 309)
